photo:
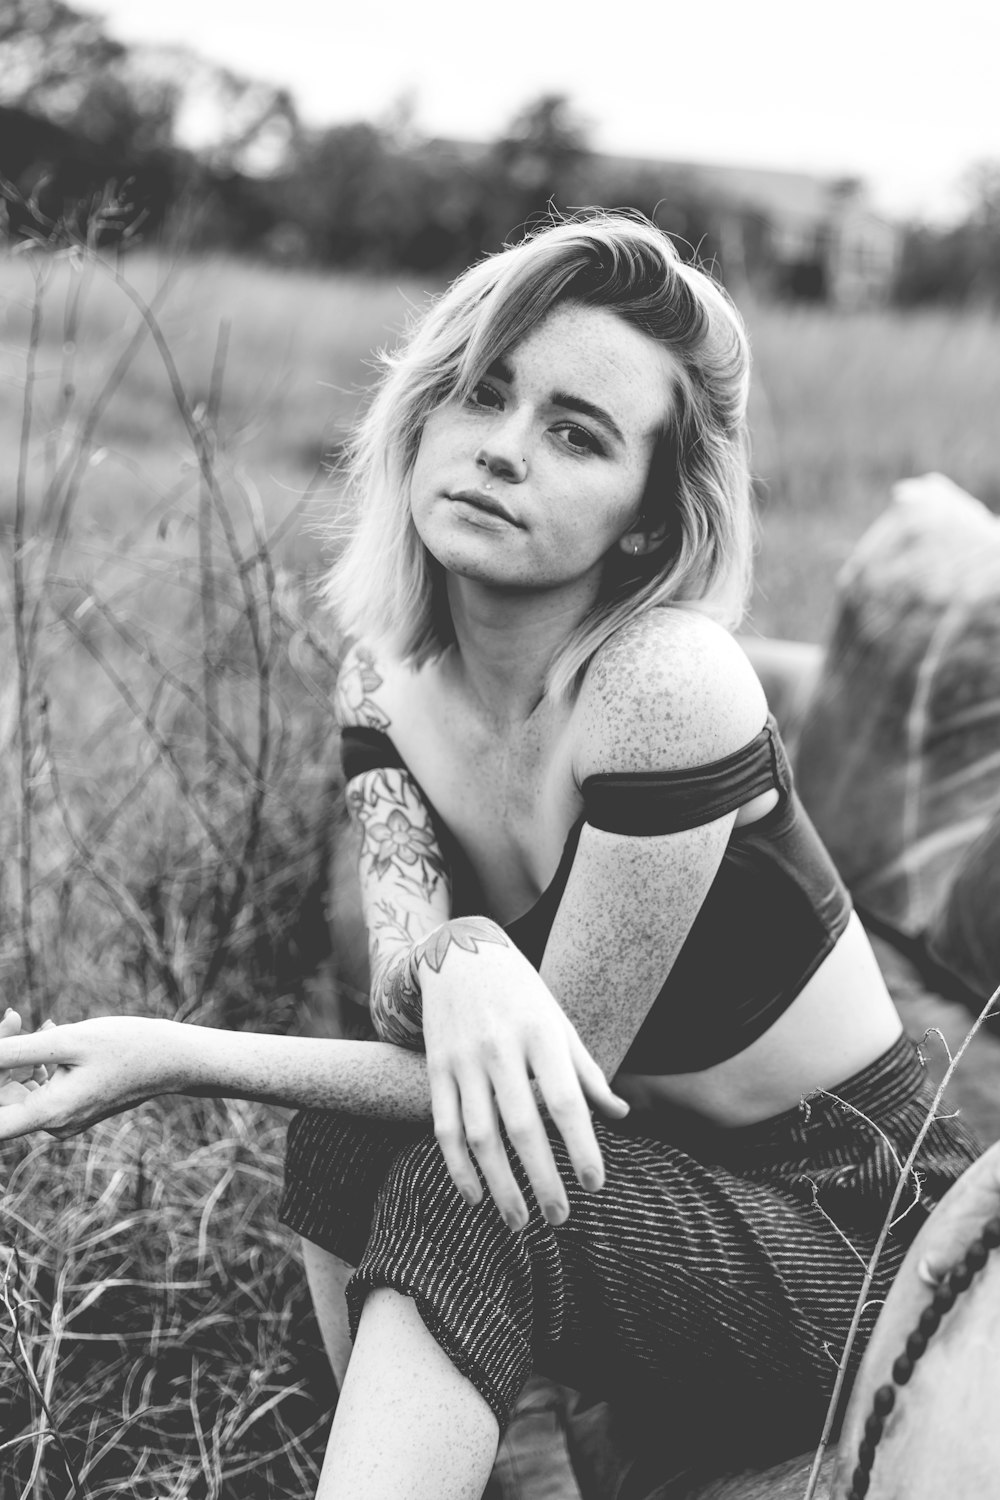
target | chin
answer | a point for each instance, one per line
(468, 557)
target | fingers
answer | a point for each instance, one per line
(13, 1092)
(10, 1026)
(467, 1124)
(561, 1089)
(23, 1110)
(481, 1102)
(483, 1080)
(37, 1049)
(528, 1137)
(593, 1082)
(450, 1133)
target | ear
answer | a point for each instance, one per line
(643, 543)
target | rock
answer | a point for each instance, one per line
(964, 933)
(899, 756)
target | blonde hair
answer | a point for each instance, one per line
(386, 587)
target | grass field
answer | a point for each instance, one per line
(167, 781)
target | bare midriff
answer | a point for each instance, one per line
(842, 1020)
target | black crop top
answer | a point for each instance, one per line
(772, 914)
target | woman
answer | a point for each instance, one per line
(581, 857)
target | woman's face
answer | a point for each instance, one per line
(532, 480)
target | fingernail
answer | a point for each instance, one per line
(8, 1012)
(470, 1197)
(556, 1213)
(513, 1221)
(591, 1180)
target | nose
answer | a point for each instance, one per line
(503, 457)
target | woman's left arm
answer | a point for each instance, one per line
(628, 906)
(673, 692)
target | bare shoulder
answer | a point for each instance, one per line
(670, 689)
(364, 688)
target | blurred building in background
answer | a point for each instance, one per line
(826, 242)
(789, 234)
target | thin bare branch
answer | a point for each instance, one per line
(22, 640)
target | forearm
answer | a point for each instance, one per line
(370, 1079)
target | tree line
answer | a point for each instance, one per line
(89, 146)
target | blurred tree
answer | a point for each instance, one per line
(982, 185)
(961, 262)
(91, 121)
(539, 162)
(50, 55)
(342, 191)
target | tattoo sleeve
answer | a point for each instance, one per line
(461, 932)
(396, 983)
(357, 681)
(405, 890)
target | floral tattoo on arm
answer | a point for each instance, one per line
(400, 860)
(384, 805)
(397, 1006)
(461, 932)
(357, 681)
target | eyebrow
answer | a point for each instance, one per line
(588, 409)
(503, 371)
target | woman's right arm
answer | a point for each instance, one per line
(497, 1043)
(103, 1066)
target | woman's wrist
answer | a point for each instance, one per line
(396, 1001)
(464, 933)
(198, 1061)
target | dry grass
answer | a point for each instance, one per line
(166, 781)
(158, 1332)
(843, 407)
(168, 787)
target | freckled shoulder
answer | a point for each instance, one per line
(671, 689)
(362, 693)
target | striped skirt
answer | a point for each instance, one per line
(711, 1281)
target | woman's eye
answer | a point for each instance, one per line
(485, 395)
(580, 440)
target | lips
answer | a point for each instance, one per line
(486, 503)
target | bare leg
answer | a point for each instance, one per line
(408, 1425)
(327, 1277)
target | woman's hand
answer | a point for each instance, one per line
(62, 1079)
(491, 1026)
(17, 1083)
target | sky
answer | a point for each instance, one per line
(900, 92)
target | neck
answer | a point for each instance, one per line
(505, 644)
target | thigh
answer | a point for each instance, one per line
(680, 1268)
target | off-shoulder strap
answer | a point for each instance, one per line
(363, 749)
(655, 802)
